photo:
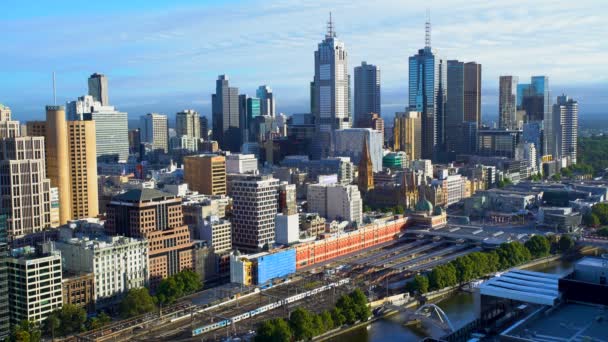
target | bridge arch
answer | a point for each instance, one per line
(443, 317)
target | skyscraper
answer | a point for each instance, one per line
(25, 190)
(249, 109)
(267, 103)
(463, 102)
(111, 127)
(154, 130)
(4, 304)
(98, 88)
(57, 155)
(187, 122)
(535, 100)
(225, 115)
(331, 90)
(83, 170)
(204, 127)
(254, 208)
(427, 82)
(8, 128)
(507, 102)
(367, 93)
(565, 123)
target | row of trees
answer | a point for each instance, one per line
(304, 324)
(478, 264)
(398, 209)
(139, 301)
(598, 215)
(68, 320)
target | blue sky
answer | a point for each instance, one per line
(164, 56)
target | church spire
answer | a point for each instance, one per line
(366, 173)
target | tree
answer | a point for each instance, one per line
(591, 220)
(26, 331)
(337, 317)
(137, 302)
(539, 246)
(603, 232)
(420, 284)
(556, 177)
(176, 286)
(601, 211)
(274, 330)
(327, 319)
(361, 308)
(302, 324)
(70, 319)
(97, 322)
(565, 243)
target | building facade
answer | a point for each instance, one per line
(565, 121)
(206, 174)
(34, 284)
(349, 143)
(507, 102)
(407, 134)
(267, 101)
(157, 217)
(225, 115)
(187, 122)
(331, 90)
(463, 102)
(254, 207)
(98, 88)
(367, 92)
(155, 131)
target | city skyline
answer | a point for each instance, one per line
(182, 74)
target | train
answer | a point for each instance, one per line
(265, 308)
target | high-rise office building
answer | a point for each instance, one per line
(427, 82)
(204, 127)
(335, 201)
(111, 127)
(83, 170)
(187, 122)
(331, 91)
(407, 134)
(34, 284)
(267, 103)
(206, 174)
(24, 188)
(507, 102)
(367, 93)
(98, 88)
(565, 123)
(463, 102)
(134, 140)
(249, 109)
(71, 163)
(5, 113)
(57, 155)
(155, 131)
(254, 208)
(535, 99)
(225, 115)
(157, 217)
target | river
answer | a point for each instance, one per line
(460, 309)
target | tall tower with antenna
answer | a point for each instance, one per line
(330, 90)
(427, 29)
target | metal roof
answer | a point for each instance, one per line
(524, 286)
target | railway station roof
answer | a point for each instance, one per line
(525, 286)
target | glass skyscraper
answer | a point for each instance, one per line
(535, 99)
(427, 82)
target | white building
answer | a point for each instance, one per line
(111, 126)
(34, 283)
(287, 229)
(241, 163)
(218, 233)
(335, 201)
(423, 165)
(119, 263)
(349, 143)
(154, 130)
(188, 123)
(254, 207)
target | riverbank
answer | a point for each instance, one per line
(434, 297)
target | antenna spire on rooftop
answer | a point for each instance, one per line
(330, 28)
(427, 29)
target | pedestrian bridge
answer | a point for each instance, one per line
(426, 314)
